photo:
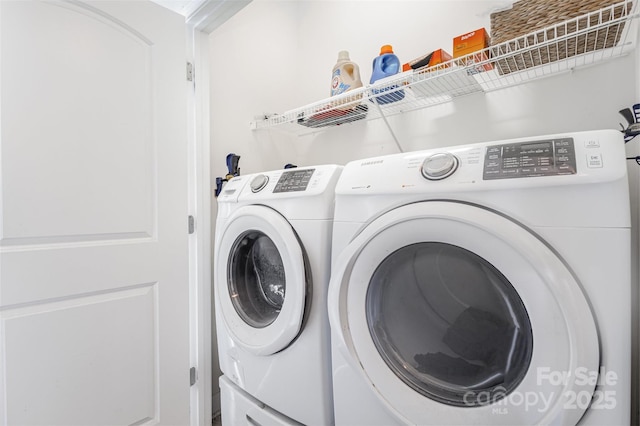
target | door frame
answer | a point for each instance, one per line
(204, 400)
(199, 198)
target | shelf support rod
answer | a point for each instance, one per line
(384, 118)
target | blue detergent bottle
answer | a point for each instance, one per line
(385, 65)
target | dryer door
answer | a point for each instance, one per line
(261, 282)
(457, 315)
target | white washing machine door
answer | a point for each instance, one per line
(457, 315)
(260, 283)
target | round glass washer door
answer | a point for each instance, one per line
(450, 311)
(260, 280)
(256, 279)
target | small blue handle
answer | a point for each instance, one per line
(232, 164)
(219, 181)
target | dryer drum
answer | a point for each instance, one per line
(449, 324)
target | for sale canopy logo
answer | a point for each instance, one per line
(569, 391)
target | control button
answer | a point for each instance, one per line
(439, 166)
(594, 161)
(592, 143)
(258, 183)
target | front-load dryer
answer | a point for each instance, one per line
(272, 268)
(484, 284)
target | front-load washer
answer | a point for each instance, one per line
(272, 268)
(484, 284)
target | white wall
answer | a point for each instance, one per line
(275, 56)
(253, 70)
(634, 188)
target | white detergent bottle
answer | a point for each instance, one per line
(346, 75)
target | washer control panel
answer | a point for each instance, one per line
(549, 157)
(308, 181)
(294, 180)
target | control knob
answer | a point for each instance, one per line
(258, 183)
(439, 166)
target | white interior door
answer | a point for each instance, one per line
(93, 214)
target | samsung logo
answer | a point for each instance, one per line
(371, 163)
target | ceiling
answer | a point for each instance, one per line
(204, 15)
(183, 7)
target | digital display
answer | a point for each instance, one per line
(551, 157)
(294, 180)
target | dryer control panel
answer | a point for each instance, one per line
(548, 157)
(543, 161)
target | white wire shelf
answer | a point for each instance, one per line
(589, 39)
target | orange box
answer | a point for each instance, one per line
(468, 43)
(432, 59)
